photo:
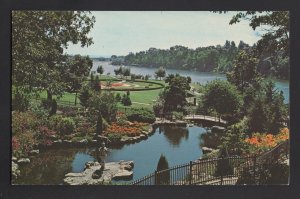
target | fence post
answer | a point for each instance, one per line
(191, 175)
(155, 177)
(222, 160)
(254, 168)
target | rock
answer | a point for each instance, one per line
(98, 173)
(15, 172)
(67, 142)
(92, 174)
(217, 129)
(24, 161)
(128, 165)
(123, 175)
(207, 150)
(142, 136)
(83, 141)
(94, 141)
(14, 159)
(34, 152)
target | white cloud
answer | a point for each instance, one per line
(132, 31)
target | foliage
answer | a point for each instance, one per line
(126, 101)
(161, 72)
(114, 137)
(118, 97)
(84, 96)
(43, 135)
(275, 24)
(177, 115)
(268, 174)
(174, 95)
(97, 84)
(23, 121)
(140, 115)
(222, 97)
(62, 125)
(223, 167)
(163, 177)
(100, 70)
(20, 101)
(234, 139)
(261, 142)
(202, 59)
(244, 72)
(38, 42)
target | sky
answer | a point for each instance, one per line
(121, 32)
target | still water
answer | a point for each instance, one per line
(179, 145)
(196, 76)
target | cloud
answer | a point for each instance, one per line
(119, 33)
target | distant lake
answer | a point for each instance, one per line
(196, 76)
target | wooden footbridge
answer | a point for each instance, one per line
(210, 120)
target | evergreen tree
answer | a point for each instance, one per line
(163, 177)
(84, 96)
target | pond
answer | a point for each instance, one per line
(178, 144)
(196, 76)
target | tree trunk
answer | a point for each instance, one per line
(49, 96)
(99, 125)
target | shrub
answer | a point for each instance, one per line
(63, 125)
(43, 136)
(20, 102)
(23, 121)
(177, 115)
(114, 137)
(141, 115)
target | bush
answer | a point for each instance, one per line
(114, 137)
(268, 174)
(177, 115)
(141, 115)
(20, 102)
(63, 125)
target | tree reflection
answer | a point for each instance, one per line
(174, 135)
(211, 140)
(48, 167)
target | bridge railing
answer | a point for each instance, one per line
(218, 171)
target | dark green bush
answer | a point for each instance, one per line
(114, 137)
(140, 115)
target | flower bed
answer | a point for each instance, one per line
(128, 129)
(262, 142)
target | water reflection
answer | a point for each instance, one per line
(209, 139)
(47, 167)
(180, 145)
(174, 135)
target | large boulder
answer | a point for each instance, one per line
(123, 175)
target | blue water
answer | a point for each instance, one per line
(196, 76)
(178, 145)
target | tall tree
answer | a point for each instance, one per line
(222, 97)
(102, 105)
(100, 70)
(244, 72)
(38, 42)
(161, 72)
(78, 70)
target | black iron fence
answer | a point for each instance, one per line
(219, 171)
